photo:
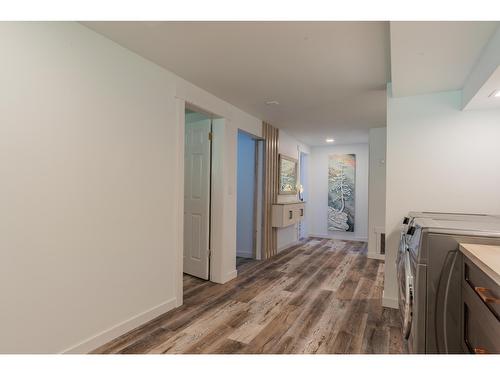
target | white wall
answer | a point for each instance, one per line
(318, 201)
(439, 158)
(245, 196)
(223, 205)
(376, 189)
(91, 158)
(289, 146)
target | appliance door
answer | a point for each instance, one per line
(447, 292)
(406, 289)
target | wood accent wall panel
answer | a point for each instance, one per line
(270, 234)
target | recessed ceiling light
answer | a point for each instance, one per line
(330, 140)
(495, 94)
(272, 102)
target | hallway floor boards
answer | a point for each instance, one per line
(322, 296)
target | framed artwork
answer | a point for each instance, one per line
(341, 189)
(287, 175)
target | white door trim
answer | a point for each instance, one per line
(223, 212)
(223, 199)
(179, 201)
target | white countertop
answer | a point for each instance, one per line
(486, 257)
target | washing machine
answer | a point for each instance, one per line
(429, 276)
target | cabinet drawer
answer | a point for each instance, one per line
(481, 328)
(484, 287)
(286, 214)
(289, 216)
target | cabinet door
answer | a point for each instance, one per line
(481, 329)
(480, 312)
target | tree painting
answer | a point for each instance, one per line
(287, 175)
(341, 185)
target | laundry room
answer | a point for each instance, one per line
(443, 221)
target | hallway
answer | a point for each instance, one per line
(322, 296)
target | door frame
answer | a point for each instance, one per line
(304, 181)
(258, 199)
(257, 194)
(223, 194)
(212, 188)
(216, 197)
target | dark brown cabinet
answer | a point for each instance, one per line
(480, 311)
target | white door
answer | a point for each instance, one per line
(197, 198)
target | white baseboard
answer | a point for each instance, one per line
(389, 301)
(331, 237)
(229, 276)
(375, 256)
(109, 334)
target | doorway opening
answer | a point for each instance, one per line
(197, 193)
(303, 193)
(249, 199)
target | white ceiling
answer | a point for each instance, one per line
(435, 56)
(329, 77)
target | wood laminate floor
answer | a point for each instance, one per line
(321, 296)
(240, 261)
